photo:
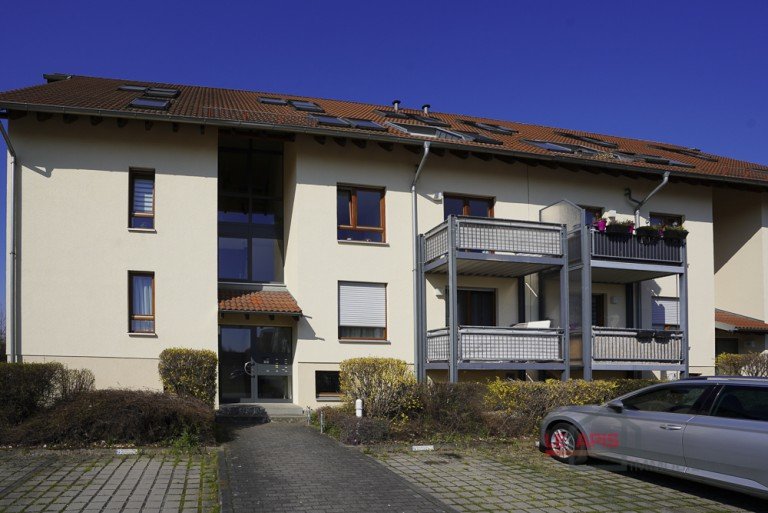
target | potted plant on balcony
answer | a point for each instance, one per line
(676, 232)
(648, 234)
(600, 224)
(626, 227)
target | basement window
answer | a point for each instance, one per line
(366, 124)
(331, 121)
(327, 386)
(272, 101)
(428, 131)
(587, 139)
(430, 120)
(306, 106)
(132, 88)
(475, 137)
(149, 103)
(497, 129)
(161, 92)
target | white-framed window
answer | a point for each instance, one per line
(362, 310)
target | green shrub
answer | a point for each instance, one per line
(527, 402)
(116, 417)
(384, 385)
(26, 388)
(747, 364)
(190, 372)
(450, 408)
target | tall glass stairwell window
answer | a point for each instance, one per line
(250, 210)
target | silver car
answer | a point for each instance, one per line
(708, 429)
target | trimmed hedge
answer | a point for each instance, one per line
(116, 417)
(189, 372)
(525, 403)
(748, 364)
(26, 388)
(384, 384)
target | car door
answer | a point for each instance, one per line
(731, 443)
(649, 429)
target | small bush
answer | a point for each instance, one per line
(747, 364)
(382, 383)
(189, 372)
(451, 408)
(527, 402)
(364, 430)
(116, 417)
(26, 388)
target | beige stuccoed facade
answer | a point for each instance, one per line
(76, 248)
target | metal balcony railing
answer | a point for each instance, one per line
(633, 247)
(480, 234)
(639, 346)
(497, 344)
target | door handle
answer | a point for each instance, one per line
(247, 368)
(671, 427)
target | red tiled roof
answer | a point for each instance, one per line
(740, 322)
(101, 97)
(258, 301)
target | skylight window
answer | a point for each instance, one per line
(391, 114)
(428, 131)
(546, 145)
(474, 136)
(132, 88)
(366, 124)
(161, 92)
(651, 159)
(272, 101)
(591, 140)
(690, 152)
(306, 106)
(331, 121)
(430, 120)
(149, 103)
(497, 129)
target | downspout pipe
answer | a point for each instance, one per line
(641, 203)
(11, 308)
(418, 322)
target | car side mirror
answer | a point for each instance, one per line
(615, 405)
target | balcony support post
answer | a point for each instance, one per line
(586, 300)
(453, 320)
(683, 284)
(566, 342)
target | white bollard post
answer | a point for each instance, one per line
(359, 408)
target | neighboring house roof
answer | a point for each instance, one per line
(729, 321)
(258, 301)
(80, 95)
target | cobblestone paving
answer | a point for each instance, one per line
(519, 478)
(293, 468)
(99, 481)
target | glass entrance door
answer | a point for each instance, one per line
(255, 364)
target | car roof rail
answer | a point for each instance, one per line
(727, 378)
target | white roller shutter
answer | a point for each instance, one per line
(143, 195)
(666, 311)
(362, 304)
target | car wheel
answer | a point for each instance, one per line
(566, 444)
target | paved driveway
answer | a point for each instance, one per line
(517, 477)
(293, 468)
(99, 481)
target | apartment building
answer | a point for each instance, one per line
(289, 233)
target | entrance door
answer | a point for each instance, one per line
(255, 364)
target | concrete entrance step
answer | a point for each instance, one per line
(260, 413)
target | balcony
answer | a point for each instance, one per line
(485, 344)
(623, 348)
(632, 247)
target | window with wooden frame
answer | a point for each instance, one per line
(327, 387)
(141, 302)
(360, 213)
(142, 199)
(362, 310)
(467, 206)
(475, 307)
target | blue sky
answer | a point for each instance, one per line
(687, 72)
